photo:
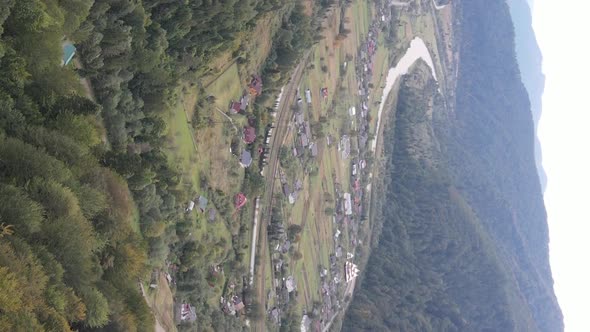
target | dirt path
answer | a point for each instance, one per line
(158, 326)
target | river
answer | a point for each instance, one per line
(417, 50)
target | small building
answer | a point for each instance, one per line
(352, 111)
(246, 159)
(324, 92)
(190, 207)
(212, 215)
(308, 96)
(255, 85)
(203, 203)
(69, 51)
(249, 135)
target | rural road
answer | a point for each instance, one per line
(283, 116)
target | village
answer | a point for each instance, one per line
(324, 164)
(300, 158)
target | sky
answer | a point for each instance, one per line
(562, 29)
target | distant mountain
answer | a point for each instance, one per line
(530, 61)
(463, 236)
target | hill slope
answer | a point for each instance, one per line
(464, 241)
(530, 61)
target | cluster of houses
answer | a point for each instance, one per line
(291, 192)
(335, 279)
(365, 64)
(349, 204)
(304, 136)
(231, 303)
(185, 313)
(254, 89)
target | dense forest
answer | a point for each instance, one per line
(70, 248)
(463, 237)
(90, 203)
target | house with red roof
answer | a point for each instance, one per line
(235, 107)
(249, 135)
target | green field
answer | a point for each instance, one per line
(226, 88)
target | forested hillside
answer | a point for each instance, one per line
(530, 61)
(90, 202)
(464, 241)
(70, 248)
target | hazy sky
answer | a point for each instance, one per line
(563, 28)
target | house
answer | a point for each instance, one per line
(292, 197)
(234, 107)
(347, 204)
(308, 96)
(363, 138)
(285, 247)
(249, 135)
(238, 304)
(299, 118)
(69, 51)
(286, 189)
(275, 315)
(344, 147)
(244, 101)
(305, 323)
(240, 200)
(351, 271)
(314, 149)
(290, 284)
(255, 85)
(187, 313)
(245, 159)
(304, 140)
(338, 252)
(307, 130)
